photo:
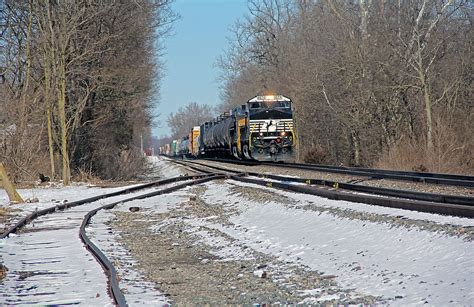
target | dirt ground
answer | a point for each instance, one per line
(188, 272)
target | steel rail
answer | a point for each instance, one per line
(407, 204)
(409, 173)
(382, 175)
(30, 217)
(434, 178)
(462, 206)
(407, 194)
(108, 267)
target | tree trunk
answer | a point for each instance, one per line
(297, 139)
(47, 99)
(59, 58)
(62, 121)
(427, 101)
(24, 114)
(429, 121)
(50, 142)
(355, 147)
(6, 183)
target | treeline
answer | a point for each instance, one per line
(182, 121)
(77, 79)
(378, 83)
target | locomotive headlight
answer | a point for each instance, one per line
(282, 133)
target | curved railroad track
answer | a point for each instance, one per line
(34, 277)
(419, 201)
(434, 178)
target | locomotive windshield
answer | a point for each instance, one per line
(282, 105)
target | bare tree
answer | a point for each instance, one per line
(186, 117)
(364, 75)
(95, 69)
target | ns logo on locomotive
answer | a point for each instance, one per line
(262, 129)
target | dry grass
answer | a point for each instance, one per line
(87, 177)
(317, 155)
(450, 155)
(4, 212)
(3, 271)
(406, 155)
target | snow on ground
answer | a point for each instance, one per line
(63, 270)
(411, 266)
(51, 194)
(55, 193)
(49, 264)
(406, 265)
(165, 168)
(138, 292)
(360, 207)
(52, 266)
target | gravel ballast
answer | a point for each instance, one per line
(227, 242)
(188, 271)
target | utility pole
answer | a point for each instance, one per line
(141, 144)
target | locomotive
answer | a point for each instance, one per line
(262, 129)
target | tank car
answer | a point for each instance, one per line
(217, 136)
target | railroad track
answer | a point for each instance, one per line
(434, 178)
(403, 199)
(66, 218)
(35, 278)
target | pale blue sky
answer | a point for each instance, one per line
(191, 53)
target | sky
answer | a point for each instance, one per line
(199, 37)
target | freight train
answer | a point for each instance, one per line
(262, 129)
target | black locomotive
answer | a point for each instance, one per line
(262, 129)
